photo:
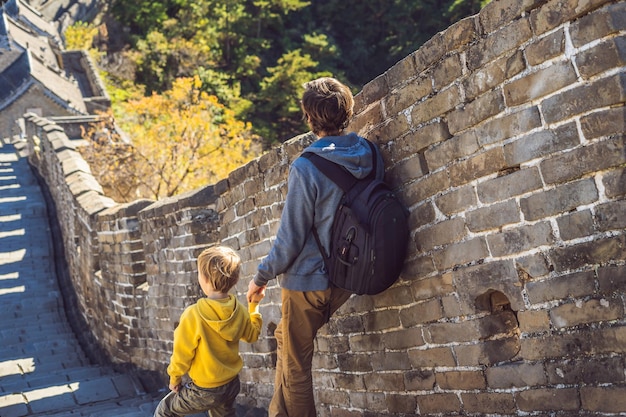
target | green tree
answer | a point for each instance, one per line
(278, 106)
(246, 51)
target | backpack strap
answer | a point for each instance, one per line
(337, 173)
(334, 172)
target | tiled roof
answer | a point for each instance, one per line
(31, 53)
(14, 71)
(65, 91)
(21, 11)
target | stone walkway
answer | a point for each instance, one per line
(43, 370)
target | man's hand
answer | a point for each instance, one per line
(175, 388)
(255, 293)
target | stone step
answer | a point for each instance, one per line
(79, 397)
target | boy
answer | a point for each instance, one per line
(206, 342)
(308, 298)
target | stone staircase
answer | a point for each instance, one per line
(43, 370)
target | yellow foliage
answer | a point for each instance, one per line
(80, 36)
(181, 140)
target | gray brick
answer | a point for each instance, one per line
(599, 24)
(508, 126)
(541, 144)
(505, 39)
(499, 13)
(493, 217)
(603, 399)
(448, 151)
(589, 311)
(534, 265)
(426, 187)
(612, 278)
(546, 399)
(604, 123)
(485, 106)
(610, 216)
(578, 162)
(447, 71)
(460, 253)
(574, 285)
(407, 95)
(436, 106)
(442, 233)
(539, 84)
(493, 74)
(597, 252)
(596, 94)
(520, 239)
(560, 199)
(422, 215)
(457, 200)
(546, 48)
(576, 225)
(516, 375)
(555, 12)
(509, 185)
(477, 166)
(420, 139)
(604, 56)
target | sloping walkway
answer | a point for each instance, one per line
(43, 370)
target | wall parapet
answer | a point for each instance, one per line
(504, 134)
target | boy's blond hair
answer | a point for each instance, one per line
(327, 105)
(220, 265)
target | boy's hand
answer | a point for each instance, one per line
(175, 388)
(255, 293)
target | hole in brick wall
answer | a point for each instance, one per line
(508, 171)
(272, 345)
(492, 301)
(271, 328)
(499, 330)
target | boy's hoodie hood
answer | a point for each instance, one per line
(220, 316)
(350, 151)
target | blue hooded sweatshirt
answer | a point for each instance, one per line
(311, 200)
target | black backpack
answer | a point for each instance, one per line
(370, 231)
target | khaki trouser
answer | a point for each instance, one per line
(303, 314)
(191, 399)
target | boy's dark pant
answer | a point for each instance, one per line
(191, 399)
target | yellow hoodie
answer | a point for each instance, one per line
(206, 342)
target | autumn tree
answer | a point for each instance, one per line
(112, 160)
(177, 141)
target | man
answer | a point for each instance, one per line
(308, 299)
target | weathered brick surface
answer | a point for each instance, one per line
(540, 83)
(603, 399)
(548, 399)
(504, 135)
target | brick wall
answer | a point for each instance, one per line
(504, 134)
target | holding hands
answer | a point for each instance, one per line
(255, 293)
